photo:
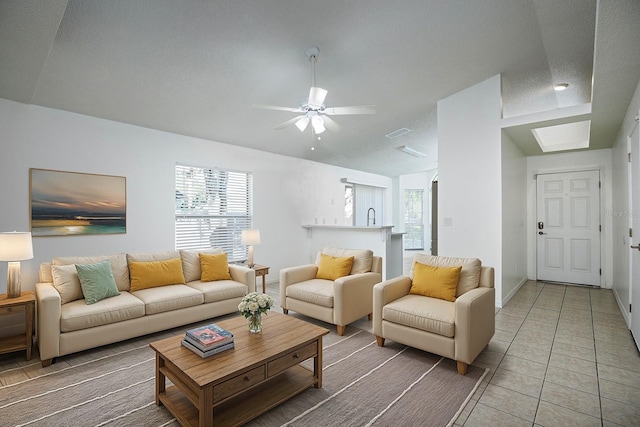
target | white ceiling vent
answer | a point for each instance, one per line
(397, 133)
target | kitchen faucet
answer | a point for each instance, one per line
(374, 216)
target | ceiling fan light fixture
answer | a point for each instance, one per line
(302, 123)
(317, 96)
(318, 124)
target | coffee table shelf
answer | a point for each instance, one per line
(234, 387)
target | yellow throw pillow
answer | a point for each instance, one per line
(214, 267)
(333, 267)
(435, 282)
(152, 274)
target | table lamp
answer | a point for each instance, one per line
(250, 237)
(15, 247)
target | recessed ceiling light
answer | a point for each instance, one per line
(560, 86)
(411, 151)
(397, 133)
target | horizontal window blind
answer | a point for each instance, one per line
(213, 206)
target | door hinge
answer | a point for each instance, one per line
(599, 184)
(630, 232)
(601, 272)
(629, 157)
(629, 307)
(600, 228)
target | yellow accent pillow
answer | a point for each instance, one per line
(152, 274)
(214, 267)
(435, 282)
(333, 267)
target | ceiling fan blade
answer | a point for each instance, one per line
(339, 111)
(330, 124)
(317, 96)
(288, 122)
(275, 107)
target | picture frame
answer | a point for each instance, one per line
(65, 203)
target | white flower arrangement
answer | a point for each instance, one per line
(255, 303)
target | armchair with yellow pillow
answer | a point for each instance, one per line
(86, 302)
(445, 306)
(337, 289)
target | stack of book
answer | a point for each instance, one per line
(208, 340)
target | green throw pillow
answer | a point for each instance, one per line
(96, 281)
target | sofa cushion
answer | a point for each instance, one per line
(151, 274)
(419, 312)
(168, 298)
(191, 262)
(214, 267)
(153, 256)
(96, 281)
(78, 315)
(67, 282)
(333, 267)
(435, 282)
(220, 290)
(469, 275)
(315, 291)
(362, 258)
(119, 266)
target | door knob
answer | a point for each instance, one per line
(541, 233)
(635, 247)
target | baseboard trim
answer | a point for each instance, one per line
(624, 312)
(515, 290)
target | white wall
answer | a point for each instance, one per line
(514, 217)
(620, 213)
(569, 162)
(288, 192)
(470, 176)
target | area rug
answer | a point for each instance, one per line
(363, 385)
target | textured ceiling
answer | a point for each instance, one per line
(195, 67)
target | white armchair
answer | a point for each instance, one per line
(340, 301)
(458, 329)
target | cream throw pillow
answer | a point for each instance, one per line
(67, 282)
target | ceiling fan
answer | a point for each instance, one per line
(313, 109)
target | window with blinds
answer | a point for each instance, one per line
(213, 206)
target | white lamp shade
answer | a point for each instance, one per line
(318, 124)
(15, 246)
(302, 123)
(251, 237)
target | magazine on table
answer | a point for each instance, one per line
(207, 353)
(201, 347)
(210, 336)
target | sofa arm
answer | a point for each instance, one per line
(291, 275)
(475, 323)
(384, 293)
(48, 305)
(353, 297)
(244, 275)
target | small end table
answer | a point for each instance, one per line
(25, 303)
(261, 270)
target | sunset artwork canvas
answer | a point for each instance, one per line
(72, 203)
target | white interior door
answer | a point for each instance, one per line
(635, 239)
(568, 227)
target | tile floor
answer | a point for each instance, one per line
(561, 356)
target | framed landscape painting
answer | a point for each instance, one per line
(73, 203)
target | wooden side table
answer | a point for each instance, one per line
(26, 304)
(261, 270)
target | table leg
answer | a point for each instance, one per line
(264, 284)
(317, 364)
(206, 407)
(29, 328)
(160, 379)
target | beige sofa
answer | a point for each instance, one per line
(339, 301)
(65, 327)
(458, 330)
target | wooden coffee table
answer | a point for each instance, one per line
(238, 385)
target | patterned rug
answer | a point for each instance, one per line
(363, 385)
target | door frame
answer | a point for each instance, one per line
(532, 234)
